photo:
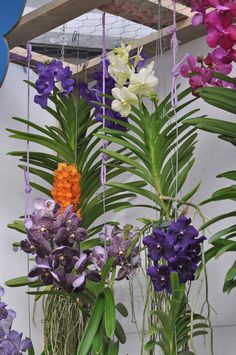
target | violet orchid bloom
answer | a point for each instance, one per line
(158, 245)
(70, 230)
(39, 244)
(69, 282)
(98, 257)
(49, 75)
(41, 100)
(184, 266)
(183, 237)
(160, 276)
(44, 271)
(120, 242)
(181, 230)
(93, 95)
(108, 232)
(14, 345)
(128, 270)
(45, 208)
(118, 249)
(65, 257)
(11, 342)
(179, 246)
(192, 249)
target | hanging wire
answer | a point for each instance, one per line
(76, 40)
(104, 143)
(63, 39)
(174, 98)
(27, 174)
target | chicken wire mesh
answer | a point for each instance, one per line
(82, 37)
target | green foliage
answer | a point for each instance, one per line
(175, 325)
(72, 140)
(220, 97)
(154, 139)
(222, 241)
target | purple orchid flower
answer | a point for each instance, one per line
(158, 246)
(11, 342)
(98, 257)
(179, 247)
(65, 257)
(93, 95)
(160, 276)
(184, 266)
(49, 75)
(119, 242)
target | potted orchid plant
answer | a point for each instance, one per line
(79, 259)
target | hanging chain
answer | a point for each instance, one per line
(63, 40)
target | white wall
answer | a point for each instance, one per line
(212, 157)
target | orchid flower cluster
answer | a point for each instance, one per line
(50, 75)
(132, 84)
(218, 17)
(11, 342)
(54, 238)
(126, 79)
(119, 242)
(176, 250)
(93, 97)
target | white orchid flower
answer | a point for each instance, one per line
(138, 57)
(118, 70)
(124, 98)
(144, 82)
(123, 51)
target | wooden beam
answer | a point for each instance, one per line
(18, 55)
(185, 34)
(48, 17)
(181, 8)
(145, 12)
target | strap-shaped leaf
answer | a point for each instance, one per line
(109, 313)
(92, 326)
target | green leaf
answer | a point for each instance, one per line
(18, 225)
(97, 345)
(224, 78)
(228, 175)
(214, 126)
(119, 333)
(150, 345)
(222, 233)
(92, 326)
(230, 246)
(91, 243)
(22, 281)
(42, 189)
(113, 348)
(109, 313)
(229, 286)
(105, 272)
(31, 351)
(217, 219)
(122, 310)
(231, 274)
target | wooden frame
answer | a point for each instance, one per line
(57, 12)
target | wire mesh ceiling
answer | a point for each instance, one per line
(88, 30)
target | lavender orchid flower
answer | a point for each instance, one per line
(11, 342)
(119, 242)
(54, 238)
